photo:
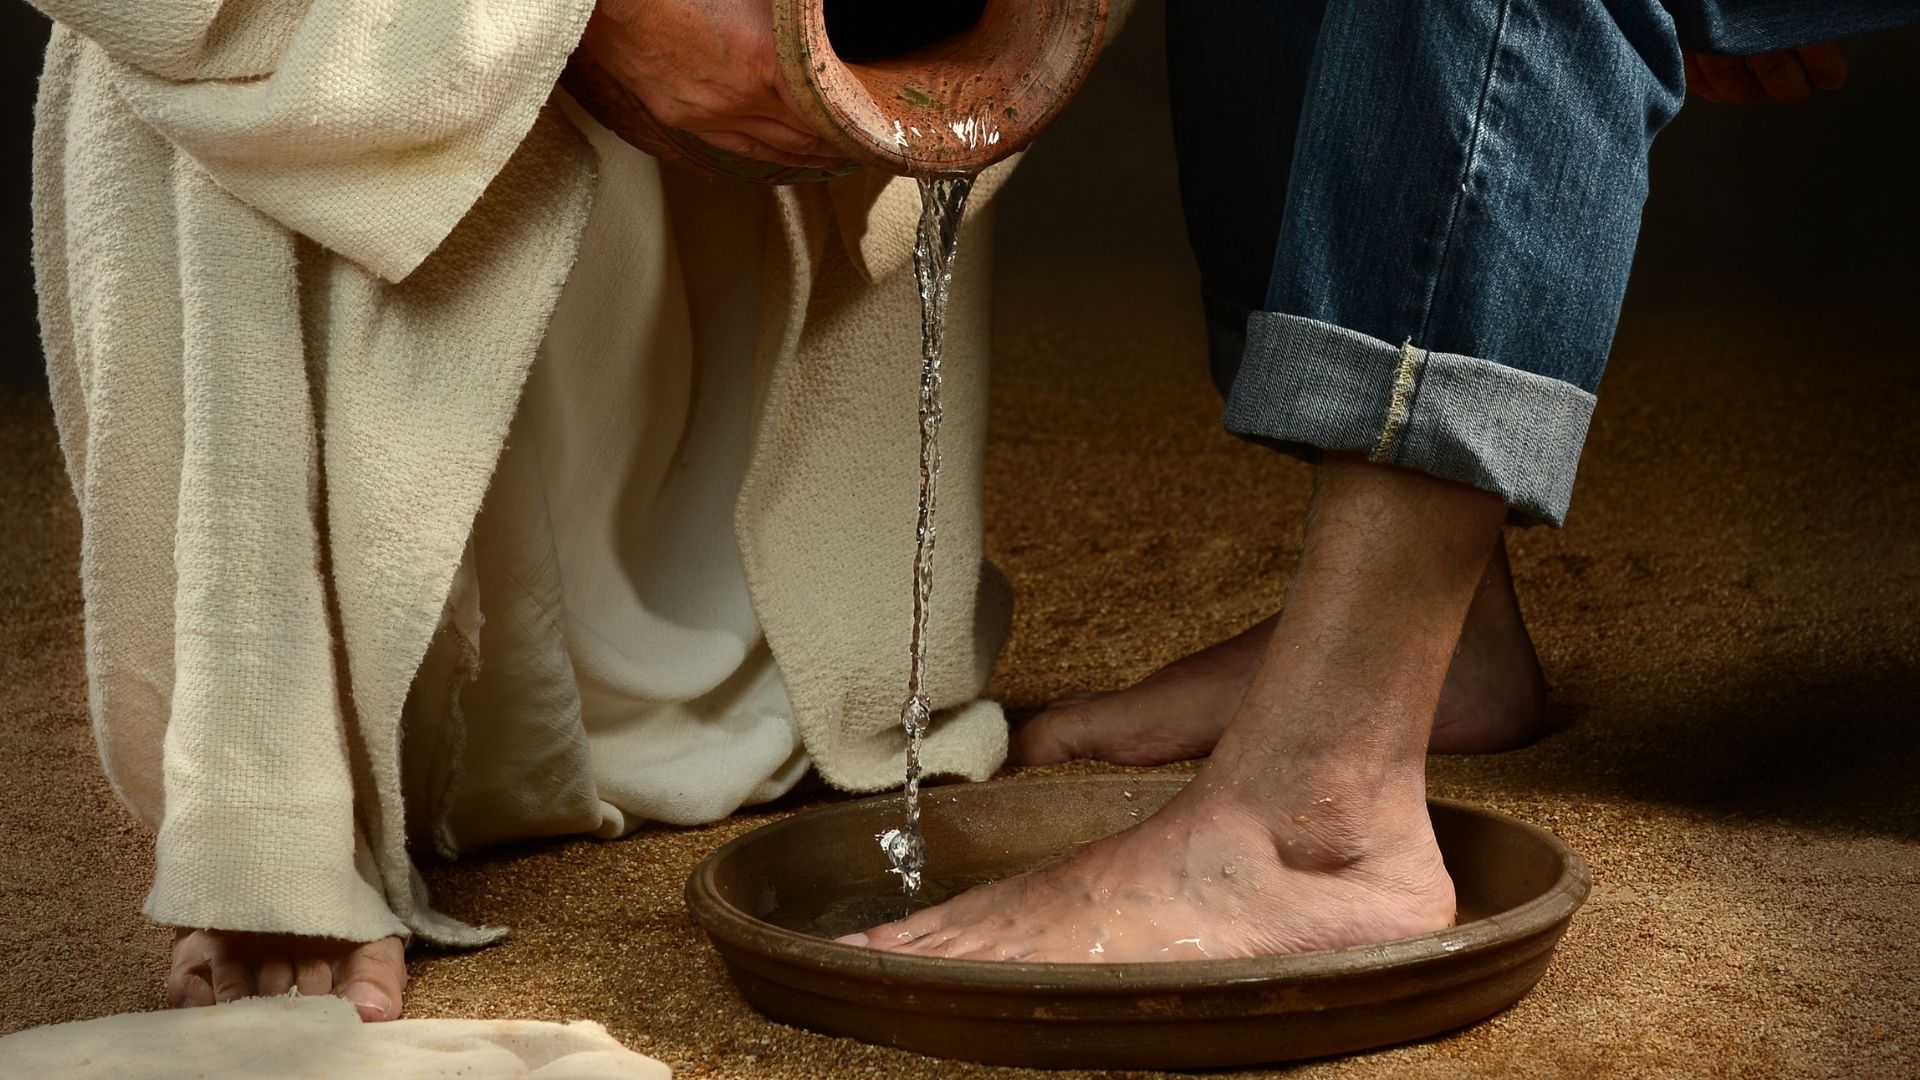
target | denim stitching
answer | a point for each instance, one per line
(1399, 402)
(1466, 167)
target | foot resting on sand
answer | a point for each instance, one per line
(212, 966)
(1307, 828)
(1492, 701)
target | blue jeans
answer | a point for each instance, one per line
(1414, 218)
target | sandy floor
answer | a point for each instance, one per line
(1728, 624)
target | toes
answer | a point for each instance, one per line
(976, 943)
(274, 978)
(937, 943)
(1062, 733)
(905, 932)
(314, 976)
(187, 973)
(992, 938)
(189, 989)
(199, 990)
(372, 977)
(1106, 727)
(1005, 952)
(1068, 700)
(373, 1002)
(232, 980)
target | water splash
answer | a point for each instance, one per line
(943, 199)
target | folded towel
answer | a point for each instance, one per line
(317, 1036)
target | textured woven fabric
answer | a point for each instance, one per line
(317, 1036)
(284, 367)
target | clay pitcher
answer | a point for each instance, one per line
(908, 86)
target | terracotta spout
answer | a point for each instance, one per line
(948, 86)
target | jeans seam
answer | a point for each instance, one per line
(1311, 387)
(1466, 166)
(1403, 408)
(1406, 377)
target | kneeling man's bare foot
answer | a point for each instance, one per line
(1209, 877)
(212, 966)
(1493, 699)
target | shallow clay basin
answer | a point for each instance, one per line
(773, 899)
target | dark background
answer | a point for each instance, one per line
(23, 34)
(1782, 201)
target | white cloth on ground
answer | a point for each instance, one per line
(317, 1036)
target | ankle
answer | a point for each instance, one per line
(1326, 817)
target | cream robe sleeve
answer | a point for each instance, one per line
(276, 448)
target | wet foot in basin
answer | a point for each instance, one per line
(1307, 828)
(1492, 701)
(1214, 875)
(213, 966)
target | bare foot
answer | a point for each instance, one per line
(1495, 692)
(1492, 701)
(1206, 878)
(212, 966)
(1307, 827)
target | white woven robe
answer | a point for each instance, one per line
(294, 258)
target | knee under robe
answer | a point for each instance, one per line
(296, 260)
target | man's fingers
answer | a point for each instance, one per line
(781, 136)
(1826, 66)
(1780, 73)
(787, 108)
(1731, 78)
(734, 142)
(777, 121)
(1697, 81)
(1789, 76)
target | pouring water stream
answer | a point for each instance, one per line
(943, 199)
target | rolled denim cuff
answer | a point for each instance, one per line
(1310, 386)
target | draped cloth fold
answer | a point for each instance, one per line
(295, 260)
